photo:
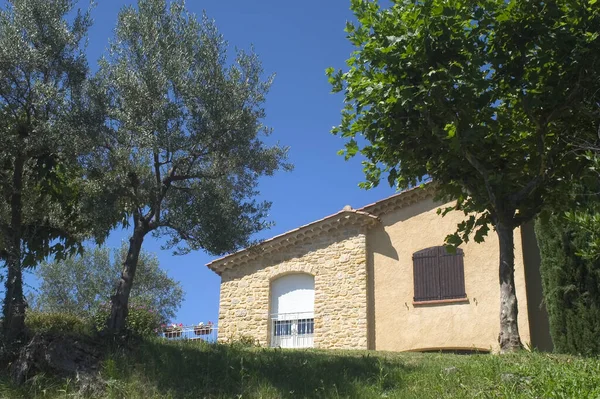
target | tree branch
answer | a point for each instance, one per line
(155, 211)
(184, 235)
(527, 190)
(484, 174)
(165, 184)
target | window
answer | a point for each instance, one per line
(438, 274)
(293, 311)
(282, 327)
(306, 326)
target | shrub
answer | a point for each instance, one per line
(571, 287)
(243, 341)
(38, 322)
(143, 321)
(140, 319)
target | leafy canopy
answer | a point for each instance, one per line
(185, 146)
(486, 98)
(43, 112)
(81, 285)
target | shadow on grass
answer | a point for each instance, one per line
(191, 369)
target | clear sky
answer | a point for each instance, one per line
(296, 40)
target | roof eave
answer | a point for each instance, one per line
(338, 220)
(401, 200)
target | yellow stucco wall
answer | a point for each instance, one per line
(396, 324)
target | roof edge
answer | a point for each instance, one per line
(401, 199)
(367, 215)
(341, 218)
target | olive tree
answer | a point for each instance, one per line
(82, 284)
(44, 120)
(486, 98)
(185, 148)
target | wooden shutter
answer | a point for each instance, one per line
(452, 274)
(426, 275)
(438, 274)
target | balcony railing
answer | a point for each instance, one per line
(292, 330)
(207, 333)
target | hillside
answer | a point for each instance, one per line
(159, 369)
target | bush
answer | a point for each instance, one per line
(143, 321)
(243, 341)
(56, 322)
(571, 287)
(140, 319)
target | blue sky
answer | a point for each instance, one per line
(296, 41)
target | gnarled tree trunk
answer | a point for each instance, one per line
(13, 324)
(509, 338)
(120, 301)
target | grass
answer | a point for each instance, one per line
(159, 369)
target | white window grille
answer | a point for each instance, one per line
(206, 333)
(292, 330)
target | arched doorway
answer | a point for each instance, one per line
(292, 311)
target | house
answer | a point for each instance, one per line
(378, 278)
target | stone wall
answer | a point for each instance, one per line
(338, 261)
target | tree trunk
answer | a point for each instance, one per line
(13, 324)
(509, 338)
(120, 301)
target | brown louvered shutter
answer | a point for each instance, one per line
(438, 274)
(426, 275)
(452, 274)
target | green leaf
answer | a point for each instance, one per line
(351, 149)
(450, 129)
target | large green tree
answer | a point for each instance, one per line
(81, 285)
(44, 119)
(186, 143)
(485, 97)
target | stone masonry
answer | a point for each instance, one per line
(338, 261)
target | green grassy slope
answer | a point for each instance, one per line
(158, 369)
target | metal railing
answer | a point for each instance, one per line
(207, 333)
(292, 330)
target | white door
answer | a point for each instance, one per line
(292, 311)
